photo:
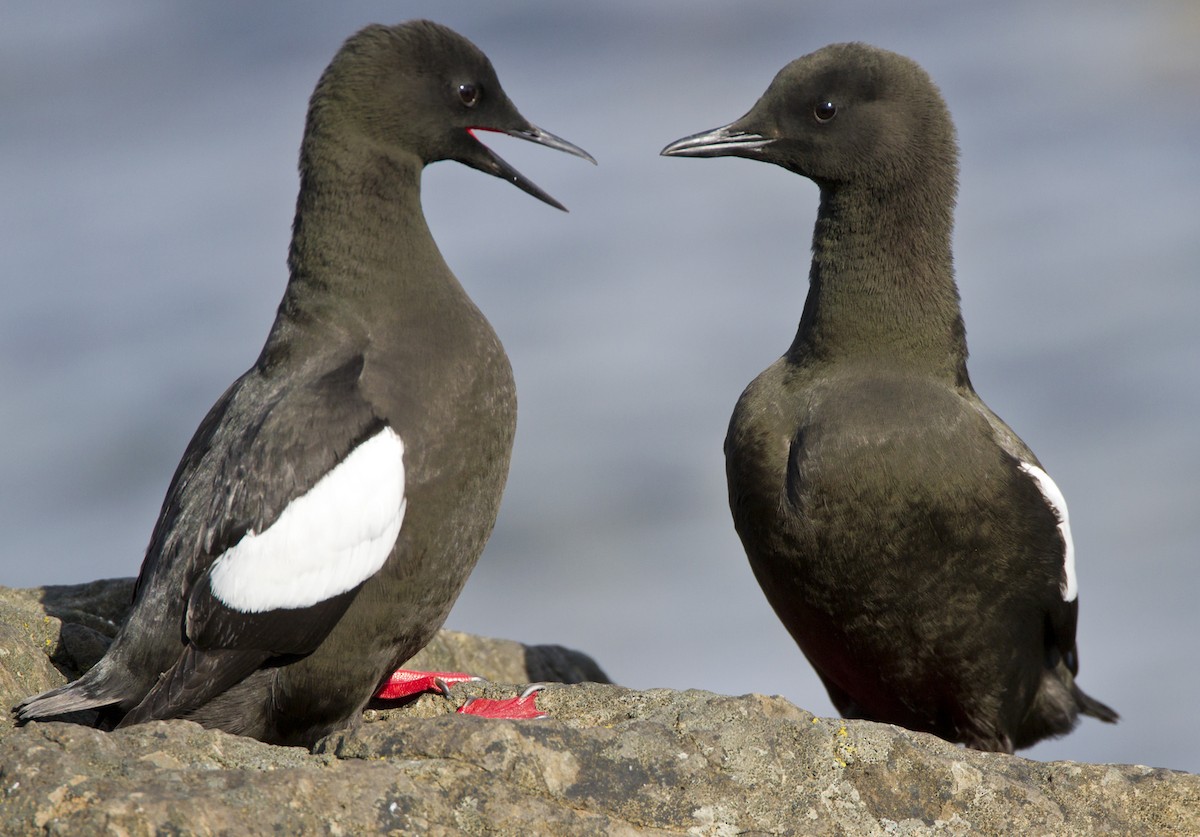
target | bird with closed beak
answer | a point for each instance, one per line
(911, 543)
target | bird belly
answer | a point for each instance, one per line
(875, 543)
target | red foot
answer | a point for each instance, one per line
(404, 683)
(521, 708)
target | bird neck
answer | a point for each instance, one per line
(361, 250)
(881, 286)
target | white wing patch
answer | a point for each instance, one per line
(1058, 505)
(326, 541)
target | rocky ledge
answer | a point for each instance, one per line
(609, 761)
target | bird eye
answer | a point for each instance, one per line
(468, 94)
(824, 111)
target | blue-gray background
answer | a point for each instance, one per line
(147, 180)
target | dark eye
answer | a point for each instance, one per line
(824, 111)
(468, 94)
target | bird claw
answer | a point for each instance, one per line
(520, 708)
(406, 683)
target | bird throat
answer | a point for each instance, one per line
(881, 285)
(360, 248)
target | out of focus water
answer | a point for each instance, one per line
(147, 179)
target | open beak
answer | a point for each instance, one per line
(492, 163)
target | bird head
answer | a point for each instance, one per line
(423, 89)
(847, 113)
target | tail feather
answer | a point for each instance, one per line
(97, 688)
(1056, 708)
(1088, 705)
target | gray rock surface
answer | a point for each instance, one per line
(609, 761)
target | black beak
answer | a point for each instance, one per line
(727, 141)
(490, 162)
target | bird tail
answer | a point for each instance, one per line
(1056, 708)
(98, 688)
(1088, 705)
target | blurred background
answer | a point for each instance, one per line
(147, 182)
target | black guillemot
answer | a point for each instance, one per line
(332, 503)
(910, 542)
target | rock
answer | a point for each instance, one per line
(609, 761)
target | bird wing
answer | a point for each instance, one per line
(1063, 611)
(1057, 504)
(296, 500)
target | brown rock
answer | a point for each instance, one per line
(609, 761)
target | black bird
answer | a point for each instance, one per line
(331, 505)
(909, 540)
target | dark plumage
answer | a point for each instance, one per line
(332, 503)
(906, 537)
